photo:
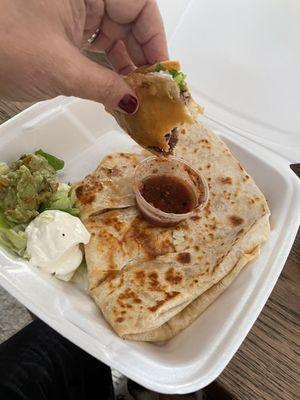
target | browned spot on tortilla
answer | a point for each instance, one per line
(226, 180)
(112, 220)
(208, 165)
(173, 277)
(120, 319)
(110, 275)
(153, 280)
(114, 171)
(195, 218)
(209, 179)
(123, 312)
(235, 220)
(86, 191)
(184, 258)
(159, 303)
(240, 167)
(140, 276)
(196, 248)
(145, 235)
(121, 282)
(83, 197)
(128, 296)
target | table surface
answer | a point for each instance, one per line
(266, 367)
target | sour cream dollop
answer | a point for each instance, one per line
(53, 242)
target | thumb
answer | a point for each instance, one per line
(89, 80)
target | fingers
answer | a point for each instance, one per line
(94, 12)
(110, 32)
(135, 51)
(119, 58)
(88, 80)
(139, 25)
(149, 32)
(124, 12)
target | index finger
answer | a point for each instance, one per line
(148, 30)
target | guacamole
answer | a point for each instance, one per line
(26, 184)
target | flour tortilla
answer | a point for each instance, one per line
(109, 186)
(152, 282)
(163, 108)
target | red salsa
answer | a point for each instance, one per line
(169, 194)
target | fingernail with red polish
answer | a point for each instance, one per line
(128, 104)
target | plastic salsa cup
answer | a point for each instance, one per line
(175, 168)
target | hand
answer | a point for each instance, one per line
(41, 43)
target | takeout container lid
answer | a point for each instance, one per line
(242, 61)
(81, 132)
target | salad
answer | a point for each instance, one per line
(38, 214)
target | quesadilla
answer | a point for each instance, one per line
(151, 282)
(165, 104)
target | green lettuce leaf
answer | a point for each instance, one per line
(55, 162)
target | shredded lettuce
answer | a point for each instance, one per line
(63, 199)
(178, 76)
(12, 238)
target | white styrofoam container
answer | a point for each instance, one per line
(242, 64)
